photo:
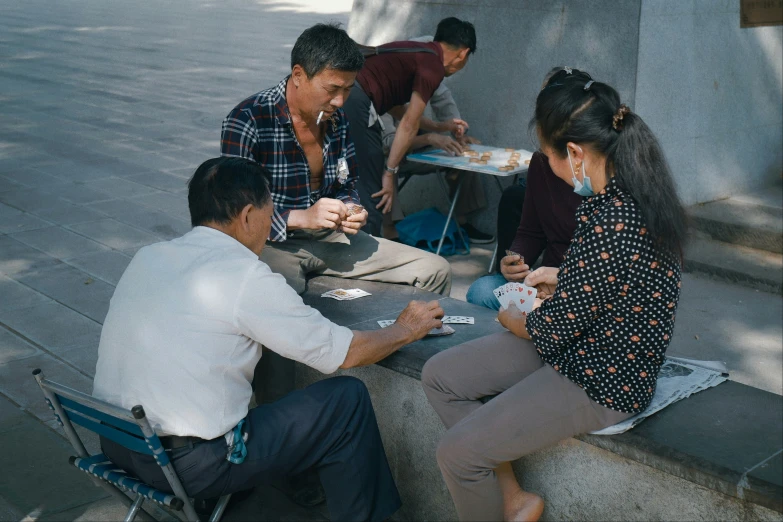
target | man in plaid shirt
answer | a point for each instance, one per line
(299, 132)
(312, 161)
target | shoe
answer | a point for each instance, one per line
(477, 236)
(205, 506)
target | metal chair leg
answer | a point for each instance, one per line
(134, 509)
(491, 267)
(220, 508)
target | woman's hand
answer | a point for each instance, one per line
(514, 320)
(544, 279)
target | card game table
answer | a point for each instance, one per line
(386, 302)
(499, 158)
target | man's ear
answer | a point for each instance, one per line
(298, 75)
(463, 54)
(244, 217)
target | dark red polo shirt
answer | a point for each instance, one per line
(390, 79)
(548, 215)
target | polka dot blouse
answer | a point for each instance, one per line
(611, 319)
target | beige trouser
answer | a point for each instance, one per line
(360, 256)
(536, 407)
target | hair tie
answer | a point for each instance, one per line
(588, 84)
(617, 119)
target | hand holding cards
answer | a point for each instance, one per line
(523, 296)
(521, 260)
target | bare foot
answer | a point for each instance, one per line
(524, 507)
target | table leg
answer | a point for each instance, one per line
(451, 212)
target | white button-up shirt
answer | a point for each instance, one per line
(185, 328)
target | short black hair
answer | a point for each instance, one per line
(456, 33)
(221, 187)
(325, 46)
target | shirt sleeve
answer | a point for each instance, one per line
(530, 239)
(429, 75)
(287, 326)
(239, 139)
(592, 276)
(348, 192)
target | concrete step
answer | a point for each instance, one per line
(760, 269)
(754, 220)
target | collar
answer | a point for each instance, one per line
(609, 193)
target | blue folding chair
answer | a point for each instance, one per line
(128, 428)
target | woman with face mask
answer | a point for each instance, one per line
(588, 355)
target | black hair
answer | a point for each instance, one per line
(456, 33)
(221, 187)
(572, 109)
(325, 46)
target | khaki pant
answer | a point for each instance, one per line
(535, 407)
(360, 256)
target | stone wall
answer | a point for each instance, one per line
(712, 92)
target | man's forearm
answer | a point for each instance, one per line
(402, 142)
(432, 126)
(369, 347)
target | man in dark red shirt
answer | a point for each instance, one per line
(400, 80)
(547, 226)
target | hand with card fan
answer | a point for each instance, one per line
(514, 320)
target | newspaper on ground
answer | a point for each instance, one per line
(678, 379)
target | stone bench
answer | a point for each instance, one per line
(714, 456)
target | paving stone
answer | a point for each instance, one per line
(161, 180)
(83, 356)
(52, 325)
(13, 347)
(42, 480)
(58, 242)
(116, 186)
(19, 221)
(73, 288)
(18, 384)
(33, 199)
(165, 226)
(80, 194)
(73, 171)
(7, 185)
(16, 295)
(32, 177)
(114, 234)
(176, 205)
(68, 215)
(108, 266)
(17, 258)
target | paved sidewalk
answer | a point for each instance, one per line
(107, 108)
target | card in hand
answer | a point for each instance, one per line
(457, 319)
(522, 295)
(521, 257)
(355, 209)
(386, 322)
(444, 330)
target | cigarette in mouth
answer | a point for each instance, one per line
(320, 115)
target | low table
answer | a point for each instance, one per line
(365, 312)
(442, 160)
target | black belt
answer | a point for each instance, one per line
(172, 442)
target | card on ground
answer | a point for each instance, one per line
(435, 332)
(341, 294)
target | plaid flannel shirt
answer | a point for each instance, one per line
(260, 128)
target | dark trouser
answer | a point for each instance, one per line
(369, 156)
(509, 216)
(330, 425)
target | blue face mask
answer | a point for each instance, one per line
(583, 189)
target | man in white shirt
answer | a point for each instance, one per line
(183, 336)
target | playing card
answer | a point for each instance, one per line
(386, 322)
(522, 295)
(355, 293)
(339, 294)
(457, 319)
(355, 209)
(444, 330)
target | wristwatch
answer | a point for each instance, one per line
(392, 170)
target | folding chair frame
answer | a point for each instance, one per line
(136, 416)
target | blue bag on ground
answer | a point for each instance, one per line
(423, 230)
